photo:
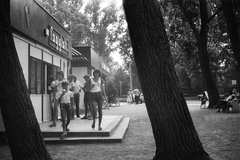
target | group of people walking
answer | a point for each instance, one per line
(66, 94)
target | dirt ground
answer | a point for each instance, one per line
(219, 133)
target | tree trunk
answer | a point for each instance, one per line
(203, 56)
(201, 38)
(22, 128)
(232, 26)
(173, 128)
(208, 79)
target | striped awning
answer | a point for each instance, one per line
(77, 56)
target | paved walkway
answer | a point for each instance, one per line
(77, 125)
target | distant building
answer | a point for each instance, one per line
(84, 61)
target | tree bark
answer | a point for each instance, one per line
(22, 128)
(233, 26)
(173, 128)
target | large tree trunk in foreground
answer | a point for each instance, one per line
(173, 129)
(201, 38)
(22, 128)
(234, 35)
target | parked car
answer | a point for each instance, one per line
(200, 96)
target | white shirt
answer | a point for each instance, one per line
(136, 92)
(77, 87)
(52, 85)
(59, 89)
(58, 84)
(66, 98)
(96, 85)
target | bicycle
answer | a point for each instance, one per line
(105, 105)
(115, 103)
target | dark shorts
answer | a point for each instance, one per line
(87, 96)
(65, 106)
(96, 96)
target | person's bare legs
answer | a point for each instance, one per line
(55, 114)
(100, 113)
(68, 119)
(94, 105)
(90, 110)
(63, 115)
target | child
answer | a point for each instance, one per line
(65, 106)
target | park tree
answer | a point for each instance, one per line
(231, 10)
(100, 32)
(125, 50)
(185, 50)
(173, 128)
(22, 128)
(122, 76)
(91, 25)
(199, 23)
(67, 13)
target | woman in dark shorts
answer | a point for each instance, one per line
(97, 93)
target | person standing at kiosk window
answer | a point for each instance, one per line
(57, 93)
(51, 91)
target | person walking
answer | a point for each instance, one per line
(97, 93)
(87, 97)
(57, 93)
(65, 101)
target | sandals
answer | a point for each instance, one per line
(63, 135)
(52, 125)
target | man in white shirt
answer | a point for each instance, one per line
(136, 93)
(77, 89)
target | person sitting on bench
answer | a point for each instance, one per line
(225, 104)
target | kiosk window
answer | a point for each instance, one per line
(35, 76)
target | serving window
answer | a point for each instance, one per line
(35, 86)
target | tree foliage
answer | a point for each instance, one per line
(184, 45)
(90, 24)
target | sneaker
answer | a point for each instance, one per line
(84, 117)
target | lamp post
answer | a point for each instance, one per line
(120, 82)
(130, 68)
(130, 75)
